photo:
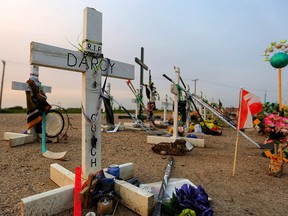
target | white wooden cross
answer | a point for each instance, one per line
(16, 139)
(158, 139)
(166, 104)
(55, 57)
(134, 100)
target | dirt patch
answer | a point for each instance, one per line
(25, 172)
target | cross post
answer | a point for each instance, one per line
(158, 139)
(176, 100)
(142, 66)
(134, 100)
(166, 104)
(188, 110)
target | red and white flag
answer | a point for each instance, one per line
(250, 105)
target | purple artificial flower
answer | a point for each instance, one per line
(194, 198)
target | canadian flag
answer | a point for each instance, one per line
(250, 105)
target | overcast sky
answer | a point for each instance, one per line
(221, 43)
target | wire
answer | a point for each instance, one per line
(222, 85)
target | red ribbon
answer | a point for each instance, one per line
(77, 190)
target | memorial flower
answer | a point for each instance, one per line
(195, 198)
(276, 127)
(188, 200)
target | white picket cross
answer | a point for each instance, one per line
(55, 57)
(166, 104)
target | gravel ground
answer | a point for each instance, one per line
(25, 172)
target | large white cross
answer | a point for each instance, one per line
(158, 139)
(55, 57)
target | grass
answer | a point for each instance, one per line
(20, 109)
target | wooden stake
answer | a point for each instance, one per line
(237, 131)
(89, 183)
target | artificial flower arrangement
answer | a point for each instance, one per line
(276, 127)
(189, 201)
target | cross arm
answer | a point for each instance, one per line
(138, 61)
(64, 59)
(25, 87)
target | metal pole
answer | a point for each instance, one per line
(195, 97)
(2, 82)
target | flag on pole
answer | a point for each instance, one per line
(250, 104)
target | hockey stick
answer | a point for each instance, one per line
(157, 209)
(46, 153)
(191, 96)
(138, 121)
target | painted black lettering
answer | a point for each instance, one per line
(71, 60)
(111, 66)
(101, 68)
(93, 152)
(84, 61)
(94, 62)
(93, 162)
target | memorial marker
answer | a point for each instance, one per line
(142, 66)
(92, 66)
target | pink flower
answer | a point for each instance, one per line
(276, 127)
(280, 124)
(285, 120)
(267, 130)
(269, 123)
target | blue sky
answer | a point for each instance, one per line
(218, 42)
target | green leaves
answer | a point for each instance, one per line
(275, 47)
(187, 212)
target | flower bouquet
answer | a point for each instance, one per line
(188, 201)
(276, 127)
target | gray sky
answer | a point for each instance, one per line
(221, 43)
